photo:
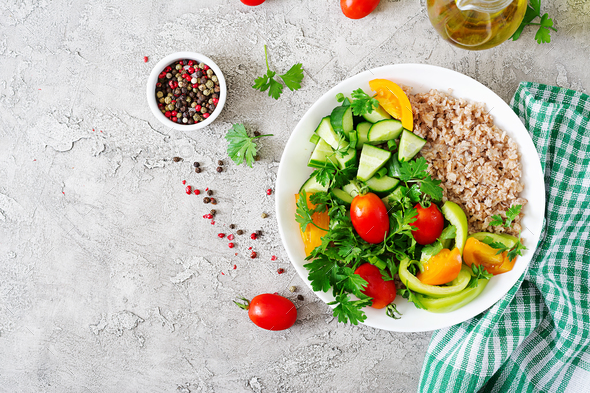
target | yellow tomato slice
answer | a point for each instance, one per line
(394, 100)
(312, 236)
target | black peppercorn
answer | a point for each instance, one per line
(219, 162)
(240, 232)
(211, 107)
(256, 133)
(258, 233)
(232, 226)
(213, 201)
(212, 212)
(196, 164)
(206, 200)
(299, 297)
(198, 170)
(209, 192)
(176, 159)
(219, 169)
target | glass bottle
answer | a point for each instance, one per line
(476, 24)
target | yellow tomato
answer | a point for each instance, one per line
(394, 100)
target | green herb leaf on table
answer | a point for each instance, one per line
(291, 78)
(363, 103)
(533, 11)
(241, 146)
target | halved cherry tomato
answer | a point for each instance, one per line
(430, 223)
(394, 100)
(481, 254)
(442, 268)
(369, 217)
(270, 312)
(382, 292)
(357, 9)
(252, 2)
(312, 237)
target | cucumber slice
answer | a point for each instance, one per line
(409, 145)
(362, 131)
(377, 115)
(312, 185)
(385, 130)
(322, 156)
(372, 159)
(393, 167)
(349, 159)
(342, 196)
(382, 186)
(352, 188)
(327, 133)
(341, 120)
(314, 139)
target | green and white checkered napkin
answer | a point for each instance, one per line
(536, 338)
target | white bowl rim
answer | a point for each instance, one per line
(508, 121)
(153, 79)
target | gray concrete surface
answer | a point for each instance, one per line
(110, 279)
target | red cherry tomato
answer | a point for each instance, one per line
(382, 292)
(252, 2)
(271, 312)
(430, 223)
(357, 9)
(369, 218)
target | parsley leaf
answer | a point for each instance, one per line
(517, 250)
(350, 311)
(363, 103)
(324, 176)
(412, 170)
(430, 186)
(533, 11)
(513, 252)
(479, 273)
(352, 282)
(411, 296)
(241, 146)
(291, 78)
(304, 215)
(496, 220)
(511, 214)
(436, 247)
(320, 271)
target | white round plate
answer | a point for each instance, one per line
(293, 171)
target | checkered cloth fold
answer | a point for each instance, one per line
(537, 337)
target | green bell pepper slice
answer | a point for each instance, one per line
(435, 291)
(453, 302)
(507, 240)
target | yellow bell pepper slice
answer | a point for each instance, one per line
(312, 236)
(412, 282)
(394, 100)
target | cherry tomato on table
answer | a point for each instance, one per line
(252, 2)
(430, 223)
(270, 312)
(369, 217)
(382, 292)
(357, 9)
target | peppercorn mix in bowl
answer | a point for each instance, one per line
(186, 91)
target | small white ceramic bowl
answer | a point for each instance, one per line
(153, 79)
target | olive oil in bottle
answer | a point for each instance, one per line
(476, 24)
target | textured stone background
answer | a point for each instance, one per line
(110, 279)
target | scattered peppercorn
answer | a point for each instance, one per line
(198, 170)
(213, 212)
(268, 192)
(273, 258)
(219, 169)
(256, 157)
(264, 215)
(230, 237)
(196, 164)
(258, 233)
(206, 200)
(209, 192)
(256, 133)
(292, 288)
(240, 232)
(230, 245)
(253, 236)
(221, 235)
(189, 190)
(219, 162)
(176, 159)
(300, 297)
(145, 59)
(280, 270)
(184, 182)
(213, 201)
(197, 192)
(232, 226)
(253, 255)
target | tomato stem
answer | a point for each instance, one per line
(245, 305)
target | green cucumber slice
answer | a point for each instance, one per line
(377, 115)
(385, 130)
(352, 188)
(362, 130)
(372, 159)
(327, 133)
(507, 240)
(349, 158)
(322, 156)
(342, 196)
(341, 120)
(382, 186)
(312, 185)
(409, 145)
(314, 139)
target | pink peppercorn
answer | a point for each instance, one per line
(184, 182)
(273, 258)
(145, 59)
(253, 236)
(197, 192)
(230, 237)
(230, 245)
(221, 235)
(206, 115)
(268, 192)
(189, 190)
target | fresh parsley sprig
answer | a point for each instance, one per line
(304, 214)
(416, 172)
(291, 78)
(533, 11)
(362, 103)
(479, 273)
(241, 146)
(436, 247)
(513, 251)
